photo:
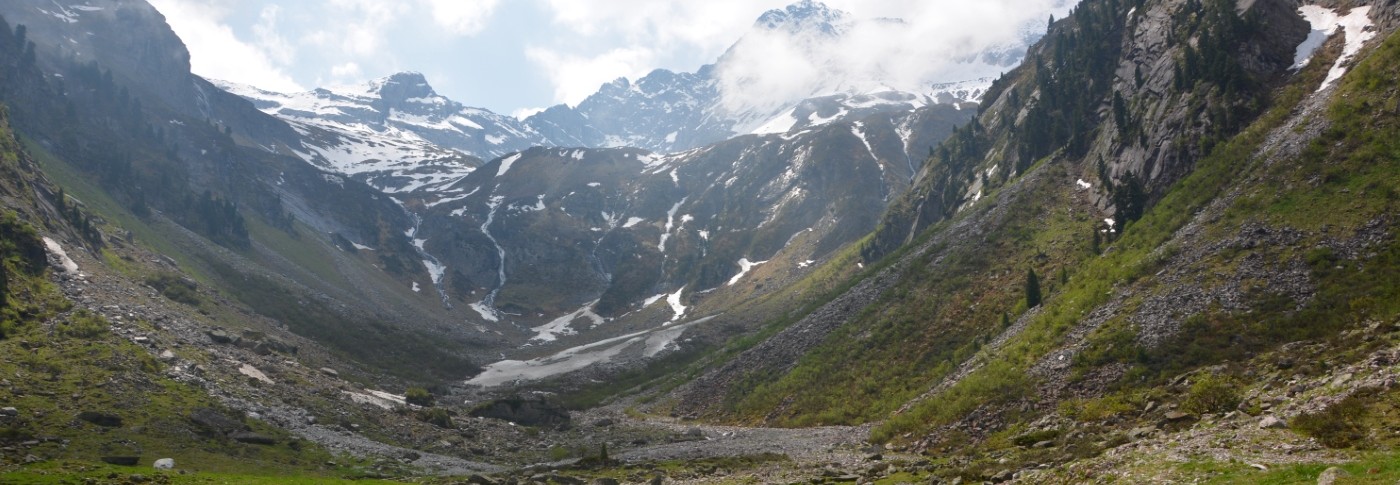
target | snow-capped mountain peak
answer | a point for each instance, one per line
(395, 132)
(401, 87)
(805, 16)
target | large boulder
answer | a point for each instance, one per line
(528, 412)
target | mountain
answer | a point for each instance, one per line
(394, 133)
(666, 111)
(1163, 249)
(541, 234)
(550, 233)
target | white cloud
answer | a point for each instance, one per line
(935, 42)
(462, 17)
(355, 28)
(348, 72)
(575, 77)
(772, 69)
(215, 51)
(266, 34)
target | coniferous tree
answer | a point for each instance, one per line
(1032, 289)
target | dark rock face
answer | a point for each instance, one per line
(528, 412)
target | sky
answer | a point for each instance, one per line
(519, 56)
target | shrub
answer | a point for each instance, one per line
(84, 325)
(1212, 394)
(437, 417)
(418, 396)
(175, 287)
(1337, 426)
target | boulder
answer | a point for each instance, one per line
(1331, 475)
(9, 412)
(220, 336)
(164, 464)
(104, 419)
(1177, 416)
(330, 372)
(603, 423)
(1143, 432)
(1272, 422)
(528, 412)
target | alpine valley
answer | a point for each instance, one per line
(1153, 241)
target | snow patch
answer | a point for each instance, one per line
(507, 162)
(56, 250)
(253, 372)
(670, 224)
(378, 399)
(569, 360)
(1356, 26)
(487, 313)
(744, 266)
(551, 331)
(435, 270)
(1083, 185)
(781, 124)
(674, 300)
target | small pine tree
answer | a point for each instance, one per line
(1064, 277)
(603, 454)
(1032, 289)
(1005, 320)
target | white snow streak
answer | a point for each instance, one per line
(744, 266)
